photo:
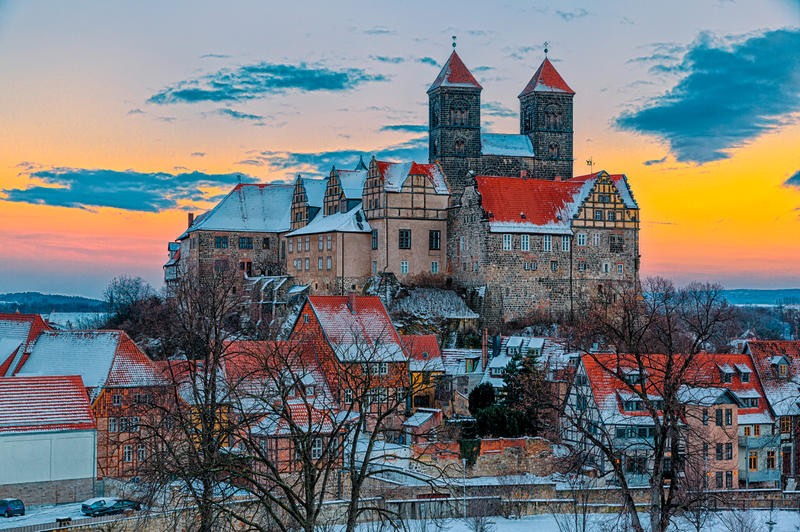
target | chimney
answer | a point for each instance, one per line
(523, 173)
(191, 219)
(485, 349)
(558, 178)
(351, 302)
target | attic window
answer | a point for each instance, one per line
(783, 370)
(310, 390)
(425, 354)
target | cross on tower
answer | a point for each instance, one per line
(454, 42)
(546, 46)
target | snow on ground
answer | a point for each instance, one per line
(36, 515)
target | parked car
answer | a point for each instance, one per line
(108, 505)
(10, 507)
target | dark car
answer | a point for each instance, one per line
(9, 507)
(108, 505)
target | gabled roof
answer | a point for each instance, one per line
(352, 182)
(43, 404)
(394, 175)
(17, 334)
(249, 208)
(363, 332)
(352, 221)
(517, 205)
(315, 190)
(783, 392)
(102, 359)
(423, 352)
(508, 145)
(455, 73)
(546, 79)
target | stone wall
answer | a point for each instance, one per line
(49, 492)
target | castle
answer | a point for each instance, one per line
(497, 215)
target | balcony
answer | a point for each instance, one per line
(766, 475)
(760, 442)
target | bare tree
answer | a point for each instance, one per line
(657, 336)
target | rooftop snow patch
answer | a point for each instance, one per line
(433, 303)
(508, 145)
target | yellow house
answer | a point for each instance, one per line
(426, 368)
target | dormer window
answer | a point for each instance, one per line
(632, 405)
(425, 354)
(783, 370)
(633, 377)
(310, 390)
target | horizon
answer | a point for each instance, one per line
(117, 125)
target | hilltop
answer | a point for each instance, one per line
(38, 303)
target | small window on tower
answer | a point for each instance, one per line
(459, 145)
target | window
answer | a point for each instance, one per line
(581, 266)
(221, 242)
(316, 448)
(719, 451)
(564, 243)
(434, 240)
(611, 216)
(747, 431)
(744, 377)
(598, 214)
(506, 242)
(265, 243)
(319, 263)
(718, 418)
(783, 370)
(374, 239)
(116, 399)
(547, 243)
(525, 242)
(606, 267)
(320, 243)
(435, 266)
(728, 451)
(348, 396)
(728, 479)
(310, 390)
(786, 424)
(141, 453)
(756, 430)
(290, 245)
(616, 244)
(620, 269)
(403, 266)
(308, 243)
(718, 478)
(705, 416)
(112, 424)
(404, 239)
(384, 368)
(123, 424)
(127, 453)
(727, 378)
(245, 242)
(329, 239)
(604, 198)
(581, 239)
(308, 264)
(133, 426)
(596, 239)
(374, 267)
(728, 417)
(328, 262)
(305, 318)
(462, 244)
(770, 459)
(554, 265)
(534, 266)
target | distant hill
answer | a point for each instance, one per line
(38, 303)
(747, 296)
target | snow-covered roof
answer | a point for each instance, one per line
(249, 208)
(352, 221)
(315, 191)
(39, 404)
(455, 73)
(780, 391)
(743, 368)
(753, 419)
(490, 373)
(418, 419)
(101, 358)
(455, 361)
(17, 334)
(423, 351)
(395, 175)
(547, 79)
(432, 303)
(508, 145)
(352, 182)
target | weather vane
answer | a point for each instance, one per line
(546, 45)
(454, 42)
(590, 163)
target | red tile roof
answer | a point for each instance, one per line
(42, 404)
(394, 175)
(783, 392)
(454, 73)
(17, 334)
(546, 79)
(417, 344)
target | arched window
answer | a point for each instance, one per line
(459, 145)
(553, 150)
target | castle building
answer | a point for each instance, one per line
(498, 215)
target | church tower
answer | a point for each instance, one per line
(545, 115)
(454, 127)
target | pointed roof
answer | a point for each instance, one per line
(361, 165)
(455, 74)
(547, 79)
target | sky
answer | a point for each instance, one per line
(119, 118)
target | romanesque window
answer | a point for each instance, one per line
(553, 150)
(459, 116)
(552, 118)
(459, 145)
